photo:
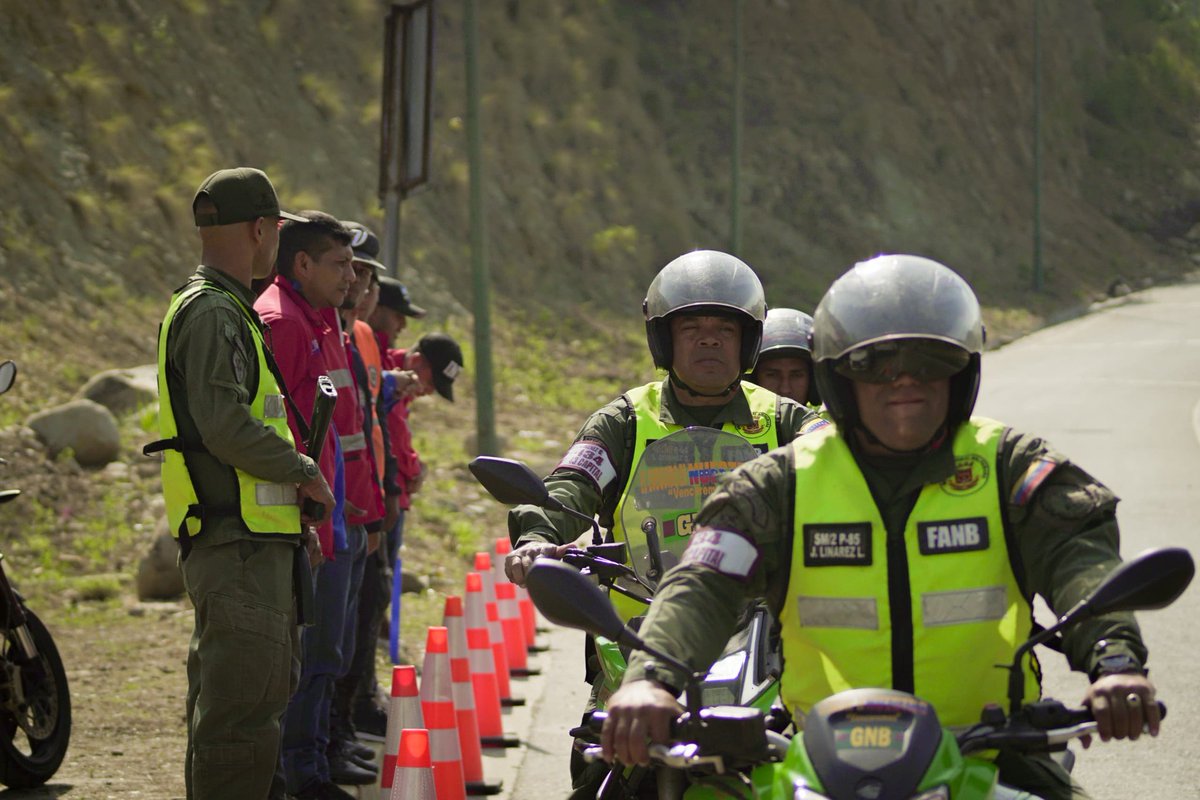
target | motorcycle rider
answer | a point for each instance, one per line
(785, 358)
(704, 313)
(921, 535)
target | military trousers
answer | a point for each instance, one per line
(239, 665)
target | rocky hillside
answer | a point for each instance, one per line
(869, 126)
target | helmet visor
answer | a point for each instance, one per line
(883, 362)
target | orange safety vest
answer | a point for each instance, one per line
(368, 348)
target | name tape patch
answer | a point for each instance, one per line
(592, 459)
(837, 545)
(953, 536)
(722, 551)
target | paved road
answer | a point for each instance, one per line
(1119, 392)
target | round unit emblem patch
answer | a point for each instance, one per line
(760, 425)
(970, 475)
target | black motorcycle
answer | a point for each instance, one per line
(35, 705)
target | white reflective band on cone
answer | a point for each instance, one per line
(443, 744)
(482, 661)
(464, 697)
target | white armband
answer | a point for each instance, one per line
(725, 552)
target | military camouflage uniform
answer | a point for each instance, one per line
(243, 659)
(1065, 529)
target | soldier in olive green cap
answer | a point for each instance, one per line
(232, 479)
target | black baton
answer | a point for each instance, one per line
(323, 405)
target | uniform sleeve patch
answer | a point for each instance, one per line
(725, 552)
(592, 459)
(814, 424)
(1034, 476)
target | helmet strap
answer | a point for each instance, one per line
(675, 380)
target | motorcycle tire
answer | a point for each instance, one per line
(31, 753)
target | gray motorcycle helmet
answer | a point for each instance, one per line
(704, 281)
(787, 333)
(893, 297)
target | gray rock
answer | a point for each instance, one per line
(123, 390)
(412, 583)
(158, 575)
(87, 427)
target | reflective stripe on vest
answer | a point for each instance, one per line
(968, 614)
(355, 441)
(341, 378)
(646, 402)
(265, 507)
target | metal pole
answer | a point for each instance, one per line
(485, 423)
(735, 192)
(1038, 274)
(391, 232)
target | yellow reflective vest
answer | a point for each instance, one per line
(646, 403)
(264, 507)
(967, 612)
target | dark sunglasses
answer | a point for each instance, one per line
(883, 362)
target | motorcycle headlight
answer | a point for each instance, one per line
(936, 793)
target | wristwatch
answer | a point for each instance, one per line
(1115, 663)
(311, 470)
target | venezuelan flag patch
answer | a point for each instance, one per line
(1034, 476)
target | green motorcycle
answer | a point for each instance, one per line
(862, 744)
(669, 484)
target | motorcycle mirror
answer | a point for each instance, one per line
(568, 598)
(8, 374)
(1150, 580)
(511, 482)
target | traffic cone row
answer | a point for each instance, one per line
(435, 733)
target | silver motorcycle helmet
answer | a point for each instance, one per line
(704, 281)
(893, 314)
(787, 333)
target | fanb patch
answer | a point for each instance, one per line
(970, 475)
(953, 536)
(837, 545)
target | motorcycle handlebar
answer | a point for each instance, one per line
(1046, 726)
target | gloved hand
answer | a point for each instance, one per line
(518, 563)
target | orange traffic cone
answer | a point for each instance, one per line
(437, 704)
(404, 711)
(483, 668)
(413, 774)
(528, 613)
(464, 701)
(508, 614)
(483, 565)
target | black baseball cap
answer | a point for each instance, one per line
(394, 295)
(240, 194)
(365, 245)
(445, 359)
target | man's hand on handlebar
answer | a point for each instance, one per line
(639, 713)
(518, 563)
(1121, 704)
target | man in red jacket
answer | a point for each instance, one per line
(315, 272)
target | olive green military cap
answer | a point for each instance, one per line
(240, 194)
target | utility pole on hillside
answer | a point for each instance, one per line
(404, 118)
(735, 190)
(1038, 276)
(485, 422)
